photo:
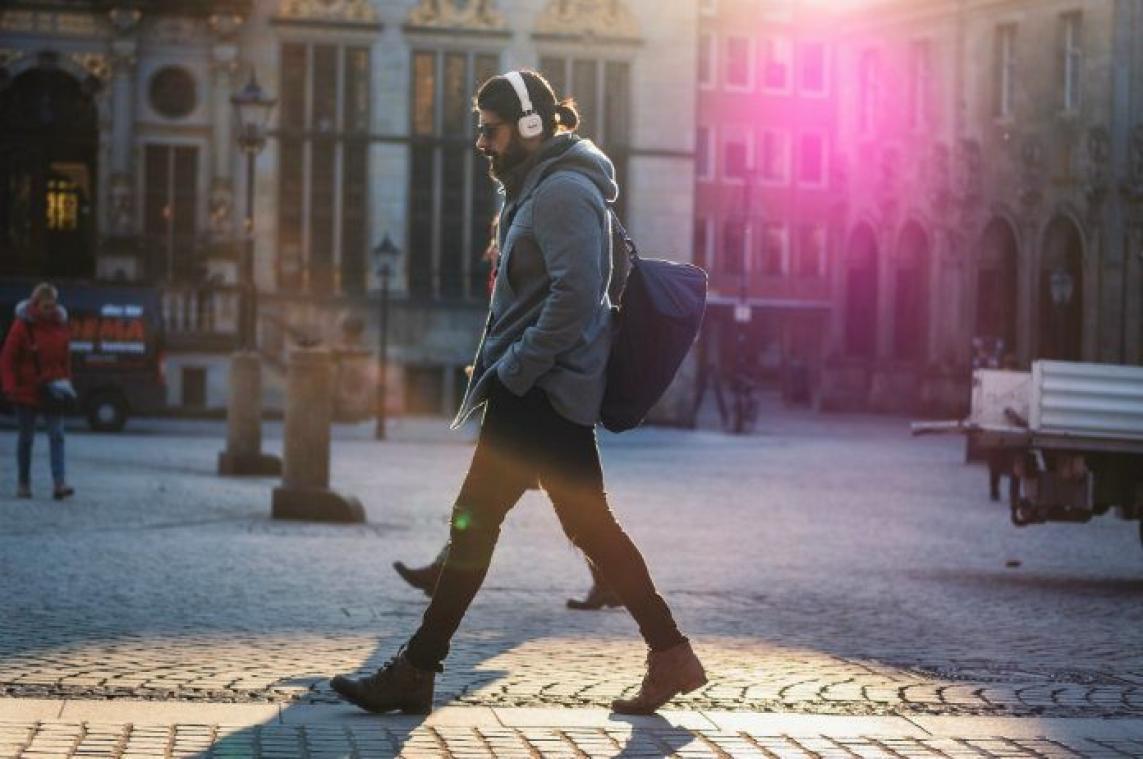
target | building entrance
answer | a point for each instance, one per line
(48, 140)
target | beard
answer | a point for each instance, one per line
(501, 165)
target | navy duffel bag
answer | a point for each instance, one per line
(657, 318)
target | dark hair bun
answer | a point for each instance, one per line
(568, 115)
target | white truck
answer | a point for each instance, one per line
(1070, 434)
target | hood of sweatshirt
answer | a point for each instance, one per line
(569, 152)
(24, 311)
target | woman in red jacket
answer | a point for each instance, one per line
(36, 353)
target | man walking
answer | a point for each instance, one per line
(540, 373)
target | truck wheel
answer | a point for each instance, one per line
(107, 412)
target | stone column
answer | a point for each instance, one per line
(243, 454)
(305, 493)
(123, 92)
(224, 64)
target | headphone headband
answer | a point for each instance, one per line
(530, 124)
(517, 81)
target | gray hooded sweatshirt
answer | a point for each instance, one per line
(550, 318)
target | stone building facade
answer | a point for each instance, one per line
(989, 165)
(371, 139)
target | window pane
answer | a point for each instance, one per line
(183, 202)
(586, 92)
(618, 104)
(356, 98)
(420, 254)
(290, 167)
(776, 64)
(813, 67)
(455, 106)
(324, 114)
(354, 190)
(735, 160)
(737, 61)
(554, 70)
(424, 91)
(321, 216)
(773, 250)
(293, 107)
(811, 250)
(452, 222)
(156, 188)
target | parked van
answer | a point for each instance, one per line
(116, 347)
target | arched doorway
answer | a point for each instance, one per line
(1061, 292)
(911, 296)
(48, 142)
(997, 288)
(861, 294)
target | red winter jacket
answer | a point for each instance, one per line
(51, 337)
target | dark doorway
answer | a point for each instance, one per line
(997, 286)
(911, 296)
(861, 295)
(48, 141)
(1061, 292)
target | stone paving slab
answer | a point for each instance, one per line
(469, 733)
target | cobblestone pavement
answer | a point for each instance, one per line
(128, 740)
(827, 565)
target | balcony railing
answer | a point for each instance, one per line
(201, 317)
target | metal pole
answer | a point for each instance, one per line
(249, 291)
(382, 362)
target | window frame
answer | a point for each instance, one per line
(791, 64)
(735, 134)
(786, 159)
(1073, 60)
(1004, 70)
(825, 53)
(761, 252)
(751, 47)
(922, 83)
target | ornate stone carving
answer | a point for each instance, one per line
(96, 64)
(124, 20)
(225, 25)
(1032, 170)
(968, 171)
(122, 204)
(49, 22)
(605, 19)
(940, 178)
(352, 11)
(458, 14)
(9, 56)
(176, 30)
(221, 207)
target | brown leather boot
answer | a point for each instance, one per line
(669, 673)
(598, 597)
(398, 686)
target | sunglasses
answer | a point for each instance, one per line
(487, 131)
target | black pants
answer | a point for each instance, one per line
(522, 439)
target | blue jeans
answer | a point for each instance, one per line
(26, 418)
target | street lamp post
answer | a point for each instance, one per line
(384, 253)
(243, 454)
(1061, 285)
(253, 108)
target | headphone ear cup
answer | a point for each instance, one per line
(530, 126)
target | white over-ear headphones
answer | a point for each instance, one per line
(530, 124)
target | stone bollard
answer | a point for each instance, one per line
(305, 493)
(243, 454)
